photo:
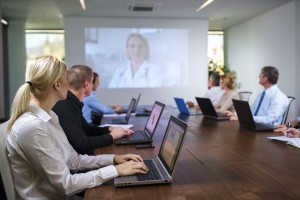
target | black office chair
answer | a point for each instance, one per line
(245, 95)
(286, 113)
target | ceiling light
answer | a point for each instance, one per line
(204, 5)
(82, 3)
(3, 21)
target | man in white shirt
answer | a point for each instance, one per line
(214, 93)
(271, 103)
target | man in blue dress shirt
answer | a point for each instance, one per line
(92, 104)
(271, 103)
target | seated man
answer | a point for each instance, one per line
(82, 136)
(214, 92)
(92, 104)
(271, 103)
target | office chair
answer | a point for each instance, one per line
(286, 113)
(245, 95)
(6, 174)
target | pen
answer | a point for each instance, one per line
(287, 128)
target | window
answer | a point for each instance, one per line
(215, 49)
(45, 42)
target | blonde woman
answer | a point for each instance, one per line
(228, 84)
(40, 155)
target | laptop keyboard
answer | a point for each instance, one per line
(137, 135)
(152, 173)
(118, 120)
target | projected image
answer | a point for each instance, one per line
(138, 58)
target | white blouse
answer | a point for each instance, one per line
(42, 159)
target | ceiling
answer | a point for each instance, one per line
(49, 14)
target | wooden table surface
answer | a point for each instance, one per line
(218, 160)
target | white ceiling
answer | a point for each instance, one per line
(48, 14)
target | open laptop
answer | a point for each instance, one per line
(164, 164)
(246, 119)
(146, 135)
(183, 108)
(125, 108)
(208, 109)
(122, 120)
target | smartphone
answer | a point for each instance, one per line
(150, 145)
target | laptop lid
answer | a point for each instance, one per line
(137, 102)
(172, 142)
(244, 113)
(246, 119)
(153, 119)
(130, 108)
(181, 105)
(209, 110)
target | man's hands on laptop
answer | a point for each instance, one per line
(129, 164)
(119, 132)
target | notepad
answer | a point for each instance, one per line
(291, 141)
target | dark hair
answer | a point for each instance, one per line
(78, 74)
(271, 73)
(95, 77)
(216, 78)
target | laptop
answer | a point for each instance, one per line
(125, 108)
(183, 108)
(122, 120)
(246, 119)
(146, 135)
(161, 168)
(208, 109)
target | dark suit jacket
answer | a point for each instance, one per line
(82, 136)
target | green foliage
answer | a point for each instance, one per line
(215, 66)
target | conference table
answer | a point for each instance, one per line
(218, 160)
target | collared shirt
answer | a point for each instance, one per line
(92, 104)
(82, 136)
(214, 94)
(146, 76)
(272, 107)
(41, 159)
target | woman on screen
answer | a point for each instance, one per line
(138, 72)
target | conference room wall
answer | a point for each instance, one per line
(268, 39)
(197, 69)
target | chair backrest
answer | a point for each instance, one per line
(286, 113)
(245, 95)
(6, 174)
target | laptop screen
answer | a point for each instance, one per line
(154, 117)
(171, 144)
(129, 111)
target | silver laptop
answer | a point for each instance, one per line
(162, 167)
(146, 135)
(246, 119)
(125, 108)
(122, 120)
(208, 109)
(183, 108)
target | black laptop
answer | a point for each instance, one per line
(161, 168)
(146, 135)
(122, 120)
(208, 109)
(246, 119)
